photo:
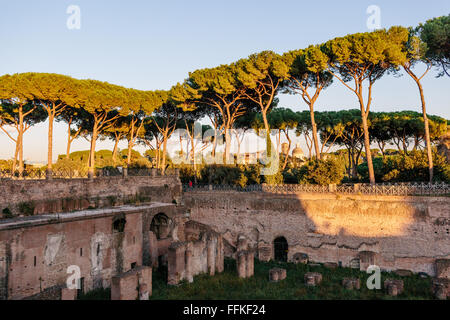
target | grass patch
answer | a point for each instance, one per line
(227, 286)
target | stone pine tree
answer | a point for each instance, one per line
(52, 92)
(103, 105)
(435, 33)
(363, 58)
(137, 105)
(261, 76)
(417, 52)
(18, 110)
(71, 115)
(308, 77)
(216, 88)
(165, 119)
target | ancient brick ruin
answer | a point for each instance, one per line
(117, 230)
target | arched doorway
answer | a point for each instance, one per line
(280, 249)
(160, 226)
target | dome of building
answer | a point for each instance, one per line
(298, 152)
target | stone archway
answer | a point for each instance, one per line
(160, 226)
(280, 249)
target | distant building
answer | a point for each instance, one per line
(297, 153)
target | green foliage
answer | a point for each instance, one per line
(26, 208)
(436, 34)
(274, 179)
(408, 168)
(323, 172)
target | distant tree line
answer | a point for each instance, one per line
(230, 95)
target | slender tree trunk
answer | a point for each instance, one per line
(51, 117)
(425, 118)
(427, 132)
(69, 142)
(267, 128)
(92, 151)
(367, 147)
(314, 132)
(286, 156)
(114, 154)
(20, 140)
(16, 154)
(130, 147)
(227, 145)
(164, 153)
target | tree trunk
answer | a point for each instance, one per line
(427, 132)
(92, 151)
(69, 142)
(20, 140)
(164, 153)
(286, 156)
(314, 132)
(114, 154)
(130, 147)
(367, 147)
(51, 117)
(16, 154)
(227, 146)
(267, 128)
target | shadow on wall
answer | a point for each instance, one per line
(396, 232)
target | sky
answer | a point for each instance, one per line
(152, 45)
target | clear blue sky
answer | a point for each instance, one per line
(154, 44)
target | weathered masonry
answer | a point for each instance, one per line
(350, 230)
(35, 253)
(105, 227)
(116, 229)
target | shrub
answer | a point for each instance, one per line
(407, 168)
(323, 172)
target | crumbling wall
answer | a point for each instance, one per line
(201, 253)
(35, 253)
(34, 197)
(402, 232)
(135, 284)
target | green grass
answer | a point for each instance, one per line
(227, 286)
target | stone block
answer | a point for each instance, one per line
(389, 285)
(403, 273)
(176, 263)
(313, 278)
(277, 274)
(441, 288)
(330, 265)
(241, 262)
(300, 257)
(442, 268)
(68, 294)
(264, 252)
(132, 285)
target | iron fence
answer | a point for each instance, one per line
(394, 189)
(68, 173)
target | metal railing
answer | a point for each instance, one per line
(394, 189)
(68, 173)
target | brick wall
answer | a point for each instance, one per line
(33, 197)
(35, 252)
(403, 232)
